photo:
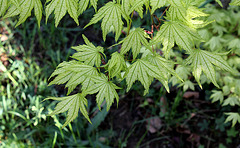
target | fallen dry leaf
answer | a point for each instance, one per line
(4, 59)
(183, 130)
(3, 38)
(102, 139)
(190, 94)
(150, 100)
(154, 124)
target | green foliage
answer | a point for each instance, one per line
(24, 120)
(235, 3)
(105, 89)
(60, 8)
(164, 65)
(116, 64)
(203, 125)
(24, 8)
(93, 72)
(111, 14)
(157, 4)
(72, 104)
(202, 61)
(3, 6)
(176, 32)
(223, 39)
(134, 40)
(234, 117)
(83, 4)
(74, 73)
(217, 96)
(219, 2)
(144, 71)
(89, 54)
(220, 124)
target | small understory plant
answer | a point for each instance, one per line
(144, 55)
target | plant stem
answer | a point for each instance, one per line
(152, 27)
(164, 12)
(129, 27)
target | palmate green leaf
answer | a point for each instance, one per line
(72, 104)
(15, 2)
(83, 4)
(74, 73)
(177, 3)
(187, 85)
(177, 13)
(94, 4)
(38, 10)
(134, 40)
(176, 32)
(197, 2)
(155, 4)
(183, 72)
(116, 64)
(234, 117)
(235, 3)
(60, 8)
(105, 88)
(217, 96)
(189, 15)
(232, 100)
(219, 2)
(164, 65)
(144, 71)
(128, 6)
(215, 43)
(89, 54)
(193, 13)
(111, 15)
(4, 4)
(24, 8)
(14, 9)
(147, 4)
(203, 61)
(234, 44)
(137, 5)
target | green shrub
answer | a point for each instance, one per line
(176, 37)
